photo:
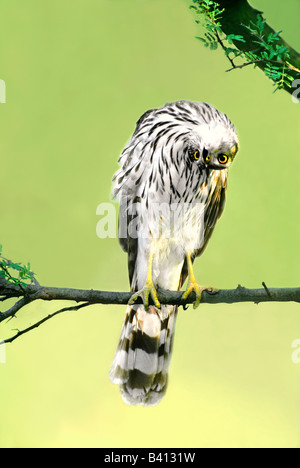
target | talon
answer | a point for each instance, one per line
(212, 291)
(198, 290)
(148, 290)
(194, 286)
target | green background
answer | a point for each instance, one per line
(78, 75)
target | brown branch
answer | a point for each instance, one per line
(253, 62)
(37, 324)
(89, 297)
(226, 296)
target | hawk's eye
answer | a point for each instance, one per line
(196, 155)
(206, 156)
(222, 158)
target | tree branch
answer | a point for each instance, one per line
(237, 15)
(244, 26)
(37, 324)
(89, 297)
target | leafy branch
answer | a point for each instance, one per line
(210, 14)
(250, 42)
(16, 273)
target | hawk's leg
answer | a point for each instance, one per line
(193, 285)
(148, 289)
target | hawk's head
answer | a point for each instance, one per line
(213, 142)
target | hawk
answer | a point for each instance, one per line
(171, 189)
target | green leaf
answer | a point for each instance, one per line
(233, 37)
(200, 38)
(15, 272)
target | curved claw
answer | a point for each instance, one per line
(193, 286)
(148, 290)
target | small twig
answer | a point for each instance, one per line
(253, 62)
(235, 67)
(224, 48)
(245, 64)
(37, 324)
(266, 289)
(10, 313)
(291, 67)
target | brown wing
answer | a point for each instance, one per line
(212, 213)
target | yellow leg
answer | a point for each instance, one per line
(148, 289)
(193, 285)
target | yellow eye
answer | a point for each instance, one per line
(208, 159)
(222, 158)
(196, 155)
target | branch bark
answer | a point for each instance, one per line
(89, 297)
(239, 13)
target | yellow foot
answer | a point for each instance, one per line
(148, 290)
(193, 286)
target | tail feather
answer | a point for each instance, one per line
(142, 359)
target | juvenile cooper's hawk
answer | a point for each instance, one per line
(171, 188)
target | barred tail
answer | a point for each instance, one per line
(143, 356)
